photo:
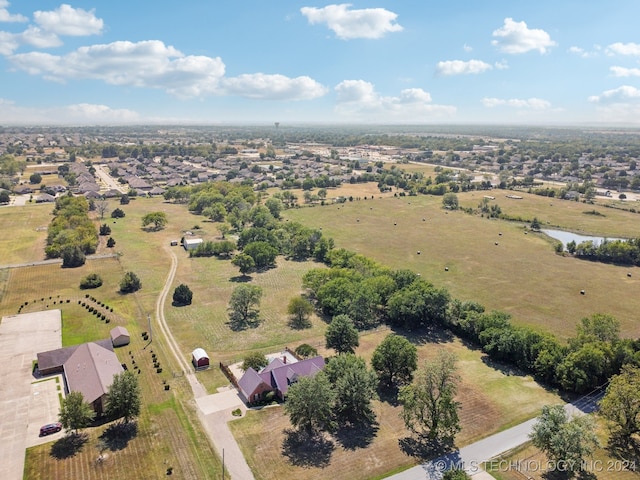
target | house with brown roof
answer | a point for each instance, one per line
(276, 377)
(88, 368)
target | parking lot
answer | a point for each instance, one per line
(26, 402)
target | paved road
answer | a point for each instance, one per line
(471, 457)
(214, 411)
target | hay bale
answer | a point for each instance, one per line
(629, 274)
(446, 269)
(582, 292)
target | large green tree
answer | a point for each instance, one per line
(130, 283)
(299, 310)
(123, 398)
(75, 413)
(355, 387)
(394, 360)
(342, 335)
(310, 403)
(566, 440)
(245, 263)
(243, 306)
(158, 219)
(621, 403)
(429, 408)
(255, 360)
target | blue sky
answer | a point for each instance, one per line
(300, 62)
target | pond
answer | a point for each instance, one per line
(566, 237)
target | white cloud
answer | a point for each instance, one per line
(501, 65)
(529, 103)
(358, 100)
(82, 113)
(39, 38)
(516, 37)
(459, 67)
(7, 17)
(273, 87)
(8, 43)
(347, 24)
(623, 49)
(152, 64)
(624, 72)
(621, 94)
(467, 48)
(69, 21)
(581, 52)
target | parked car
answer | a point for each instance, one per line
(50, 428)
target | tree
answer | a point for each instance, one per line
(117, 213)
(566, 441)
(263, 253)
(299, 310)
(255, 360)
(355, 387)
(123, 398)
(75, 413)
(105, 229)
(429, 409)
(111, 242)
(4, 197)
(305, 350)
(158, 219)
(621, 403)
(73, 256)
(395, 360)
(456, 474)
(182, 295)
(245, 263)
(243, 306)
(130, 283)
(535, 224)
(342, 335)
(450, 200)
(35, 179)
(124, 199)
(93, 280)
(310, 404)
(101, 207)
(599, 327)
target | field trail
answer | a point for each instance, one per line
(215, 425)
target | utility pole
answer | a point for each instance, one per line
(223, 464)
(149, 321)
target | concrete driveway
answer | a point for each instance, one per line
(24, 405)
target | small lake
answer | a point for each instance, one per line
(566, 237)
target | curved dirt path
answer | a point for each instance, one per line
(214, 424)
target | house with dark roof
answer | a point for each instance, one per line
(276, 377)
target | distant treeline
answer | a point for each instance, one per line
(619, 252)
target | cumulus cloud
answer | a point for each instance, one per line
(348, 24)
(581, 52)
(624, 93)
(624, 72)
(82, 113)
(273, 87)
(152, 64)
(619, 48)
(50, 25)
(515, 37)
(358, 100)
(7, 17)
(69, 21)
(529, 103)
(460, 67)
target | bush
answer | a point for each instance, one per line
(93, 280)
(130, 283)
(117, 213)
(111, 242)
(182, 295)
(105, 229)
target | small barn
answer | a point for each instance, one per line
(200, 358)
(191, 243)
(120, 336)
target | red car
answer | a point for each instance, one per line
(50, 428)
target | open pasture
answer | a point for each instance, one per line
(489, 261)
(24, 233)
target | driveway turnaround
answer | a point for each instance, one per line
(24, 405)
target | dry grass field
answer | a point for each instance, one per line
(25, 232)
(491, 261)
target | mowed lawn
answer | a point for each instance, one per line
(490, 401)
(24, 232)
(494, 262)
